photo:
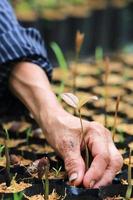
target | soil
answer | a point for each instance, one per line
(126, 161)
(12, 143)
(52, 196)
(20, 161)
(16, 126)
(14, 187)
(37, 148)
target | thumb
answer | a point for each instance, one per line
(74, 166)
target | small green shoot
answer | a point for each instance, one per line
(77, 104)
(1, 149)
(62, 64)
(129, 187)
(115, 117)
(18, 196)
(57, 171)
(60, 56)
(28, 134)
(99, 54)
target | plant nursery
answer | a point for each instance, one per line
(89, 45)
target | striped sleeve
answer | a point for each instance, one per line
(18, 43)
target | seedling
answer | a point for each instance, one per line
(28, 134)
(78, 44)
(99, 59)
(8, 178)
(77, 104)
(43, 168)
(106, 89)
(115, 117)
(129, 188)
(57, 171)
(1, 149)
(62, 64)
(99, 55)
(18, 196)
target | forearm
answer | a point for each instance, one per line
(30, 84)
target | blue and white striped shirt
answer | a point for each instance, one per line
(17, 43)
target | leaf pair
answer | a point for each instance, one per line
(75, 102)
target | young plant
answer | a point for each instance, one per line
(62, 64)
(18, 196)
(28, 134)
(7, 178)
(57, 171)
(1, 149)
(43, 168)
(106, 89)
(115, 117)
(77, 104)
(99, 60)
(129, 187)
(78, 44)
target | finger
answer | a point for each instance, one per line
(98, 144)
(75, 168)
(96, 171)
(74, 164)
(116, 162)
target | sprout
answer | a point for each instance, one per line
(77, 104)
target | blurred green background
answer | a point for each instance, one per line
(107, 24)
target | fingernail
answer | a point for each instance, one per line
(92, 183)
(73, 177)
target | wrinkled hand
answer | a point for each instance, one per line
(66, 139)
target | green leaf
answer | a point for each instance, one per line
(60, 56)
(17, 196)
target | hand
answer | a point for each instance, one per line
(65, 136)
(63, 131)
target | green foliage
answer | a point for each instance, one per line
(98, 54)
(57, 171)
(62, 64)
(60, 56)
(1, 149)
(28, 134)
(17, 196)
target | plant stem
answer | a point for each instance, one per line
(46, 183)
(82, 139)
(115, 117)
(129, 188)
(106, 89)
(8, 179)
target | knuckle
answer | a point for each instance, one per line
(118, 162)
(106, 158)
(70, 164)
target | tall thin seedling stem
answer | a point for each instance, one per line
(129, 187)
(7, 158)
(82, 136)
(115, 117)
(46, 183)
(106, 89)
